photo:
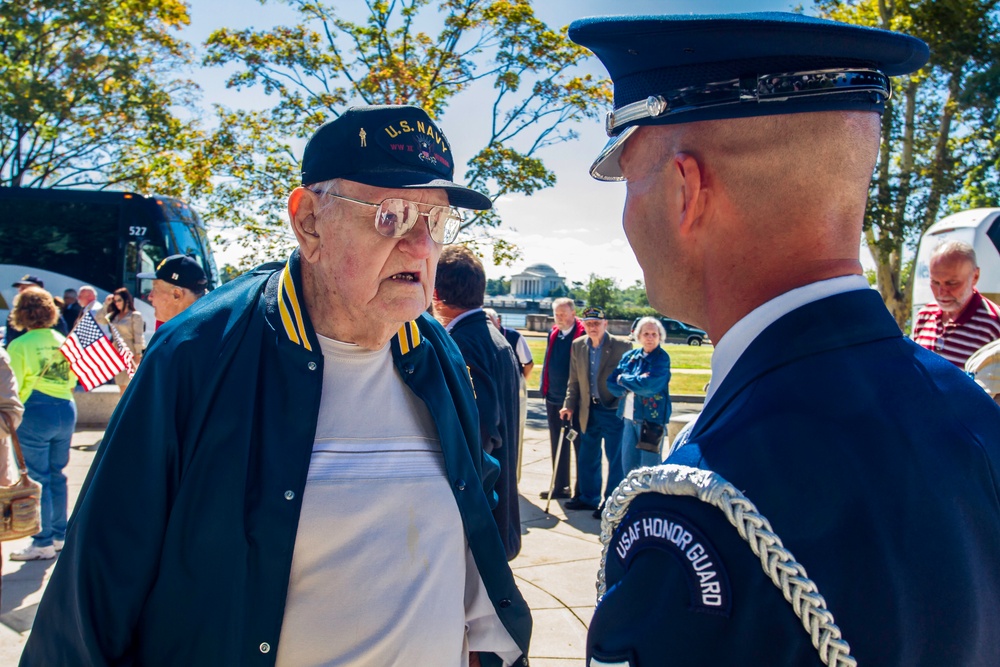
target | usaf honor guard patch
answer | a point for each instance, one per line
(708, 583)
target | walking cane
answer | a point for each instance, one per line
(555, 462)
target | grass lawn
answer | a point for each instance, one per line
(681, 357)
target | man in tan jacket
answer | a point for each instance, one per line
(592, 359)
(10, 406)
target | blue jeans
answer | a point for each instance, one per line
(45, 434)
(632, 457)
(603, 424)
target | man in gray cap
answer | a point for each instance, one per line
(295, 476)
(837, 499)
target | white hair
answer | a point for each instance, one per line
(651, 320)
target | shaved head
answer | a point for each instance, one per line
(748, 208)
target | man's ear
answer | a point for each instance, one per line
(695, 194)
(302, 204)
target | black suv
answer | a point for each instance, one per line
(678, 332)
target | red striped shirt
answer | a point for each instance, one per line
(956, 341)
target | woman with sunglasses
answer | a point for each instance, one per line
(120, 310)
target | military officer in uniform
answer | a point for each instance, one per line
(837, 501)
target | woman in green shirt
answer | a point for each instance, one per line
(46, 389)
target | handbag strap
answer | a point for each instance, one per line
(21, 465)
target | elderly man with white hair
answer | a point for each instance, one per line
(294, 476)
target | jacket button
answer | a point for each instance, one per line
(289, 495)
(265, 647)
(504, 603)
(311, 365)
(408, 369)
(460, 484)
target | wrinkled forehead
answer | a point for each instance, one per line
(951, 264)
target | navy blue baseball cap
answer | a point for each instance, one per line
(29, 280)
(180, 270)
(396, 147)
(687, 68)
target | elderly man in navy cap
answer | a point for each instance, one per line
(837, 500)
(178, 282)
(294, 476)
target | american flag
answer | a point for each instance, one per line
(124, 351)
(90, 353)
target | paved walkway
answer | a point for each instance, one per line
(556, 569)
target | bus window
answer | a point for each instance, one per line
(142, 257)
(78, 239)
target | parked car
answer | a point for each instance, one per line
(678, 332)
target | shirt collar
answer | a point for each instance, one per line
(590, 343)
(734, 343)
(451, 325)
(975, 301)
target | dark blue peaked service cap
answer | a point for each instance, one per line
(686, 68)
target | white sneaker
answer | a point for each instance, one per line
(35, 553)
(58, 544)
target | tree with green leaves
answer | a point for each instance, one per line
(601, 292)
(940, 148)
(88, 94)
(522, 73)
(498, 286)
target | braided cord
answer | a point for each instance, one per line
(777, 562)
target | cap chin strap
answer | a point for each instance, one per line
(777, 562)
(760, 88)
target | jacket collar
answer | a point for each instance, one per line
(291, 318)
(839, 321)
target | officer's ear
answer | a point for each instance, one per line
(694, 192)
(302, 207)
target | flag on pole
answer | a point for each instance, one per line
(123, 351)
(90, 353)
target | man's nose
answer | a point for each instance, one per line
(418, 241)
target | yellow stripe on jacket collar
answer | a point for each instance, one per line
(291, 311)
(408, 336)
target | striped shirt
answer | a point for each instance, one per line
(977, 325)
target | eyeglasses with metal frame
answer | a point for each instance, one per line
(395, 217)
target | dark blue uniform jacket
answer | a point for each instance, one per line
(876, 463)
(495, 379)
(180, 546)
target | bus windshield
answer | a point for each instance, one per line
(70, 238)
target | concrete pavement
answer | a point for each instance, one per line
(556, 569)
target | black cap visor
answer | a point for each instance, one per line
(458, 196)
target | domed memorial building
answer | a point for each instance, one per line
(535, 282)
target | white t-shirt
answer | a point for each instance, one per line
(381, 573)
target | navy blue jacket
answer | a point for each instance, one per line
(876, 463)
(180, 545)
(496, 381)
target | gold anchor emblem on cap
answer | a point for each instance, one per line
(363, 135)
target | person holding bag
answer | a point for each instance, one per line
(46, 389)
(10, 411)
(641, 378)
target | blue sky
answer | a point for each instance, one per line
(576, 225)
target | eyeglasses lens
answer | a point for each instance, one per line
(396, 217)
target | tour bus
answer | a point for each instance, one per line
(70, 238)
(980, 228)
